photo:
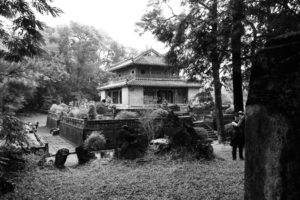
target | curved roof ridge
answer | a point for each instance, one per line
(132, 60)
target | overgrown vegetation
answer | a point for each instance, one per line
(150, 178)
(95, 141)
(127, 115)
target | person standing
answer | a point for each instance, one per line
(238, 137)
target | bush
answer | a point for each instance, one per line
(74, 112)
(12, 130)
(152, 123)
(58, 109)
(201, 132)
(13, 159)
(101, 108)
(126, 115)
(95, 142)
(83, 114)
(130, 144)
(184, 138)
(92, 114)
(159, 113)
(80, 113)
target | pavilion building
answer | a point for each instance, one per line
(145, 81)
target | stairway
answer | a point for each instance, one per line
(211, 133)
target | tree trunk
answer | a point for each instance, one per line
(218, 100)
(237, 31)
(216, 73)
(272, 167)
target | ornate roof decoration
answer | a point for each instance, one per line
(149, 57)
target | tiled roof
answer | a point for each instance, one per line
(149, 57)
(152, 83)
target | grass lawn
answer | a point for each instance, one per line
(159, 178)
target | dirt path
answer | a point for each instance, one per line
(35, 117)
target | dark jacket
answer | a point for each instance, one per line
(237, 135)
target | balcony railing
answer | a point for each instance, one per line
(157, 76)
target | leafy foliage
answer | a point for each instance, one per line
(92, 114)
(95, 142)
(25, 40)
(126, 115)
(218, 179)
(12, 130)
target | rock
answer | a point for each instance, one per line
(160, 145)
(61, 157)
(54, 131)
(83, 155)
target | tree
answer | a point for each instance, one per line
(272, 167)
(85, 51)
(25, 39)
(237, 13)
(198, 39)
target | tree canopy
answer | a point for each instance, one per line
(24, 37)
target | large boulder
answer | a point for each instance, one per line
(83, 154)
(61, 157)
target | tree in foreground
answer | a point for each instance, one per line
(272, 168)
(24, 38)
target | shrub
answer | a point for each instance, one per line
(95, 142)
(83, 114)
(58, 109)
(152, 123)
(202, 133)
(92, 112)
(13, 158)
(159, 113)
(101, 108)
(126, 115)
(80, 113)
(130, 144)
(12, 130)
(74, 112)
(184, 138)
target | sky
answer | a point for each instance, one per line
(115, 17)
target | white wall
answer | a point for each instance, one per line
(125, 96)
(102, 95)
(136, 96)
(192, 92)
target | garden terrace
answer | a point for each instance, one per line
(76, 130)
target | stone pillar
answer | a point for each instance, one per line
(272, 168)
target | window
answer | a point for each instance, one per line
(132, 71)
(115, 95)
(143, 71)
